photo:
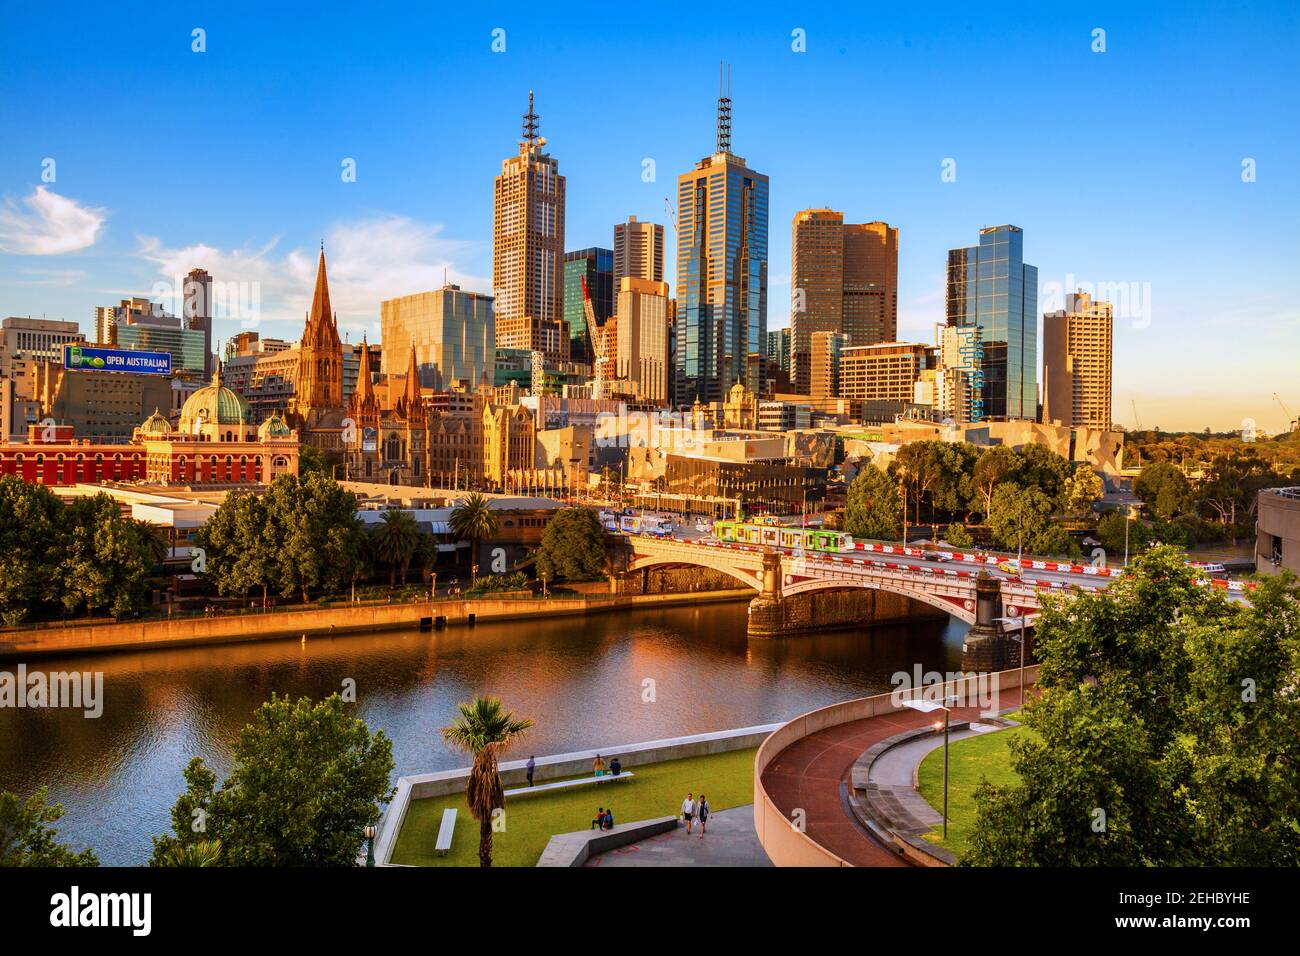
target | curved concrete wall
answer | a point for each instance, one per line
(781, 841)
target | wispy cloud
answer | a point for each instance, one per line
(47, 224)
(367, 261)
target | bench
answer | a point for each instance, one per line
(445, 831)
(580, 782)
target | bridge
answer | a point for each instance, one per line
(980, 589)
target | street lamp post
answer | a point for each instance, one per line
(370, 845)
(1019, 639)
(1128, 515)
(926, 706)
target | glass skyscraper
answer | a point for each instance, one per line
(722, 213)
(991, 288)
(597, 266)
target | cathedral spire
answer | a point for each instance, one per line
(321, 314)
(412, 381)
(365, 387)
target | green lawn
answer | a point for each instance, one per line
(971, 760)
(655, 790)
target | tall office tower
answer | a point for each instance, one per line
(199, 309)
(1077, 348)
(778, 349)
(722, 211)
(870, 282)
(595, 267)
(826, 349)
(844, 278)
(638, 251)
(528, 248)
(452, 331)
(991, 288)
(130, 311)
(641, 353)
(816, 285)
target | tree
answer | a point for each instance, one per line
(958, 536)
(1082, 490)
(873, 506)
(1166, 733)
(202, 853)
(1019, 516)
(30, 519)
(308, 779)
(316, 532)
(992, 468)
(1111, 533)
(917, 465)
(395, 540)
(311, 460)
(954, 489)
(27, 839)
(1164, 489)
(104, 558)
(1044, 469)
(472, 519)
(485, 731)
(574, 547)
(240, 543)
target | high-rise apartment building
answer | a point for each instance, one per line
(595, 267)
(133, 310)
(638, 251)
(722, 216)
(453, 333)
(641, 354)
(1077, 349)
(991, 288)
(887, 371)
(528, 248)
(199, 310)
(778, 350)
(844, 279)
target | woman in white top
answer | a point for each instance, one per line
(688, 811)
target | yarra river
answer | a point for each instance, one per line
(581, 679)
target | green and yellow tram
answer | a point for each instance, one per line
(778, 536)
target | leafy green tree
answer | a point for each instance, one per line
(574, 547)
(957, 535)
(993, 467)
(485, 730)
(919, 467)
(473, 520)
(26, 837)
(104, 558)
(240, 543)
(1045, 470)
(1019, 516)
(308, 779)
(1111, 530)
(203, 853)
(1164, 489)
(954, 488)
(874, 506)
(1083, 488)
(30, 521)
(395, 540)
(311, 460)
(316, 533)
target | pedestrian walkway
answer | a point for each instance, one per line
(730, 841)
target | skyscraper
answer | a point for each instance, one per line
(638, 251)
(641, 349)
(722, 213)
(198, 310)
(844, 278)
(991, 288)
(1077, 348)
(596, 267)
(528, 248)
(778, 350)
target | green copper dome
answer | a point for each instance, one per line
(214, 405)
(274, 427)
(155, 424)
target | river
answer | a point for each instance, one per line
(583, 680)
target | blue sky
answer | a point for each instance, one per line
(1124, 168)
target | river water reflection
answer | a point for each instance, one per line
(580, 679)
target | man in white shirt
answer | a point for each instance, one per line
(688, 811)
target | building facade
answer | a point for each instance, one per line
(991, 288)
(638, 251)
(528, 248)
(26, 342)
(885, 372)
(452, 331)
(722, 221)
(826, 350)
(595, 268)
(641, 356)
(1078, 343)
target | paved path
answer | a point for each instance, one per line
(812, 774)
(730, 841)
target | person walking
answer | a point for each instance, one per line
(529, 768)
(688, 812)
(703, 810)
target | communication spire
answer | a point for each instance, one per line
(530, 123)
(724, 109)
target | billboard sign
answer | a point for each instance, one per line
(369, 439)
(83, 358)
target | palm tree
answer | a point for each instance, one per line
(473, 519)
(485, 731)
(202, 853)
(154, 540)
(395, 541)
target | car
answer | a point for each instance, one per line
(937, 556)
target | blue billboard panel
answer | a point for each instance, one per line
(83, 358)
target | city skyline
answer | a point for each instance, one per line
(1212, 325)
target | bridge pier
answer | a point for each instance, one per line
(767, 611)
(988, 647)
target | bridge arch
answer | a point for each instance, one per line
(657, 561)
(955, 605)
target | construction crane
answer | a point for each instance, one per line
(1292, 422)
(596, 339)
(1136, 421)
